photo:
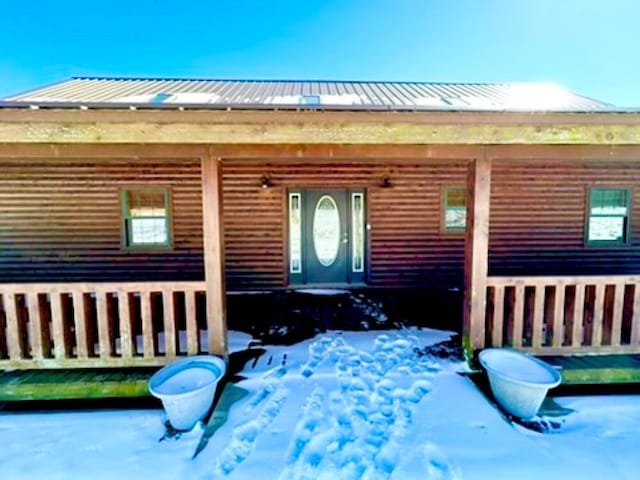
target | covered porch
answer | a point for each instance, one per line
(50, 325)
(588, 326)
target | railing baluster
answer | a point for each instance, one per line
(598, 311)
(635, 317)
(35, 325)
(558, 316)
(147, 325)
(618, 307)
(192, 324)
(498, 316)
(518, 316)
(80, 322)
(13, 334)
(57, 327)
(124, 315)
(538, 316)
(102, 312)
(168, 307)
(578, 316)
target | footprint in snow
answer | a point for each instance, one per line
(270, 383)
(245, 435)
(438, 466)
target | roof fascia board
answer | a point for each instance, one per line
(260, 127)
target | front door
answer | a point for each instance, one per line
(327, 236)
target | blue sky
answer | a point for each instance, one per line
(590, 46)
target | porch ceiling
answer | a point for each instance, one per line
(86, 126)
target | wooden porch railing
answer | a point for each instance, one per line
(65, 325)
(564, 315)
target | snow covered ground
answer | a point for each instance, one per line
(339, 406)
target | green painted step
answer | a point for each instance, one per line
(596, 369)
(74, 384)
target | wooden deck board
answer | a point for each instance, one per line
(74, 384)
(596, 369)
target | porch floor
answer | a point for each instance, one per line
(596, 369)
(74, 384)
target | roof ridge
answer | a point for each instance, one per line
(283, 80)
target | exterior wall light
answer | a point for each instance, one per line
(265, 181)
(385, 182)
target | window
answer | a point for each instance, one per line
(146, 219)
(455, 209)
(608, 216)
(295, 234)
(357, 232)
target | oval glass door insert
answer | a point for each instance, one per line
(326, 230)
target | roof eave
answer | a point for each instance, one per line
(296, 107)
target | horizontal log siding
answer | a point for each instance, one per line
(60, 221)
(538, 218)
(407, 247)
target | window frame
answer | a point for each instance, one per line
(626, 241)
(125, 218)
(443, 210)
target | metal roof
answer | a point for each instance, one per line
(329, 95)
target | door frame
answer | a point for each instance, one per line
(355, 276)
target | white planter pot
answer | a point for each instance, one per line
(187, 387)
(519, 382)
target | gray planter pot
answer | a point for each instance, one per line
(519, 382)
(187, 387)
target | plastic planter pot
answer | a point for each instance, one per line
(187, 387)
(519, 382)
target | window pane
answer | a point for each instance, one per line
(148, 231)
(456, 197)
(146, 203)
(455, 218)
(606, 228)
(326, 231)
(455, 210)
(357, 222)
(295, 234)
(609, 202)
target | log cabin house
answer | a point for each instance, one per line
(126, 203)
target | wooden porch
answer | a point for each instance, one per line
(82, 325)
(588, 326)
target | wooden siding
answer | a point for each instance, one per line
(538, 213)
(407, 245)
(60, 221)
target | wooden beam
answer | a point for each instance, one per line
(315, 152)
(173, 152)
(290, 127)
(71, 151)
(557, 153)
(212, 116)
(476, 251)
(213, 241)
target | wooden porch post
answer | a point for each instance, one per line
(213, 242)
(476, 253)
